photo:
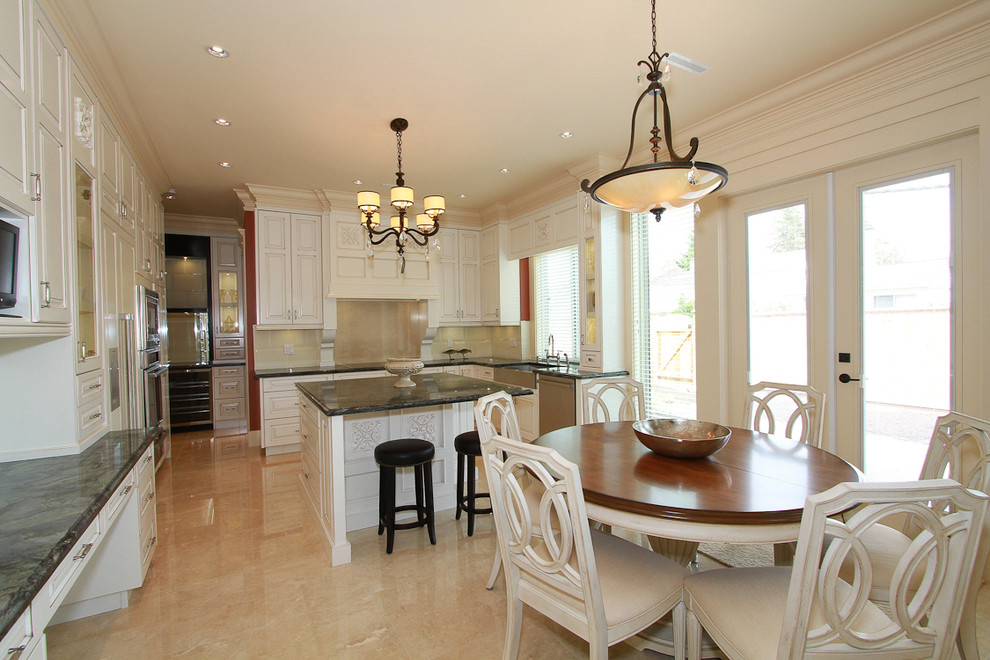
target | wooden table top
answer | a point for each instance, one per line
(755, 479)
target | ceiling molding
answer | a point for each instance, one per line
(287, 199)
(200, 225)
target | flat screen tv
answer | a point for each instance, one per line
(9, 235)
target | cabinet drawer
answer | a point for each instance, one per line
(228, 372)
(90, 417)
(591, 359)
(229, 387)
(310, 474)
(228, 354)
(146, 465)
(146, 495)
(230, 342)
(18, 638)
(149, 539)
(120, 496)
(68, 570)
(309, 435)
(486, 373)
(282, 404)
(289, 384)
(89, 386)
(229, 409)
(281, 432)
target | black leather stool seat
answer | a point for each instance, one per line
(468, 446)
(406, 452)
(468, 443)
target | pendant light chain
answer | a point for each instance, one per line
(398, 147)
(653, 19)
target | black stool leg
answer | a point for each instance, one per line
(381, 500)
(420, 507)
(388, 473)
(470, 495)
(460, 485)
(428, 485)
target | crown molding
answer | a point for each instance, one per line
(201, 225)
(287, 199)
(245, 199)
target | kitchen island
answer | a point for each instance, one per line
(341, 423)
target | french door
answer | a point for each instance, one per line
(880, 251)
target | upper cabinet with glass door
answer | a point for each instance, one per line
(86, 302)
(228, 295)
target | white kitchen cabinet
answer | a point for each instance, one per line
(86, 300)
(230, 398)
(109, 161)
(460, 277)
(280, 412)
(499, 279)
(16, 183)
(552, 227)
(51, 265)
(601, 278)
(289, 270)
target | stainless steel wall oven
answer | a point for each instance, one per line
(153, 368)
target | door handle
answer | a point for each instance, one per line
(845, 378)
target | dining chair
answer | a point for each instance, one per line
(959, 449)
(612, 399)
(495, 414)
(807, 610)
(782, 407)
(600, 587)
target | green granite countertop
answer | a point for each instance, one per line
(360, 395)
(47, 503)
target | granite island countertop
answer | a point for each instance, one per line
(47, 503)
(360, 395)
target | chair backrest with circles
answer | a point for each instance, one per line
(612, 399)
(826, 614)
(960, 450)
(495, 414)
(550, 564)
(796, 411)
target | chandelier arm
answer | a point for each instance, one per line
(666, 133)
(632, 126)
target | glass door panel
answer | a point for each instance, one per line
(777, 277)
(907, 311)
(86, 299)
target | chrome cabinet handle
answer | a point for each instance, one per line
(152, 541)
(126, 491)
(95, 386)
(15, 652)
(150, 496)
(47, 288)
(82, 351)
(96, 415)
(82, 553)
(147, 459)
(37, 187)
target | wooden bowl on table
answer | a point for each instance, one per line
(681, 438)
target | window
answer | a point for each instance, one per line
(557, 311)
(662, 261)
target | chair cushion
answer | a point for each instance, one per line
(743, 608)
(404, 452)
(632, 579)
(886, 545)
(468, 443)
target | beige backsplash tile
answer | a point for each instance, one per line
(372, 330)
(269, 348)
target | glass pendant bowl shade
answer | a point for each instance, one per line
(658, 185)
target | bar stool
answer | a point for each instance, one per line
(407, 452)
(468, 445)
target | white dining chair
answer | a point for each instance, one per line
(795, 411)
(611, 399)
(959, 449)
(807, 610)
(495, 414)
(600, 587)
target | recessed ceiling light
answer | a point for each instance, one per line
(223, 163)
(217, 51)
(357, 182)
(567, 134)
(220, 121)
(504, 170)
(462, 196)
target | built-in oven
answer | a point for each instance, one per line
(153, 368)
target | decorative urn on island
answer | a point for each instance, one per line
(404, 368)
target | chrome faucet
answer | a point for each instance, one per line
(550, 347)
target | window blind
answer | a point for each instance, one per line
(662, 301)
(557, 301)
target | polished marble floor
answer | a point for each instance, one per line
(240, 572)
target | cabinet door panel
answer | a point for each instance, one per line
(50, 72)
(470, 280)
(307, 290)
(274, 303)
(51, 236)
(449, 308)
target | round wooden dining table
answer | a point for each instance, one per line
(751, 491)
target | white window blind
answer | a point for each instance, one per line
(663, 347)
(557, 302)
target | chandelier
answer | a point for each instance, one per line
(400, 226)
(658, 185)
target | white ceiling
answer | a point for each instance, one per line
(311, 85)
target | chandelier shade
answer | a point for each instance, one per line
(657, 185)
(401, 198)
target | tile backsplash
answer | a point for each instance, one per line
(372, 330)
(270, 348)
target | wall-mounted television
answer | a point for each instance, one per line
(9, 236)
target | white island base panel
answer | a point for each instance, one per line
(345, 495)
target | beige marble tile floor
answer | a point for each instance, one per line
(240, 572)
